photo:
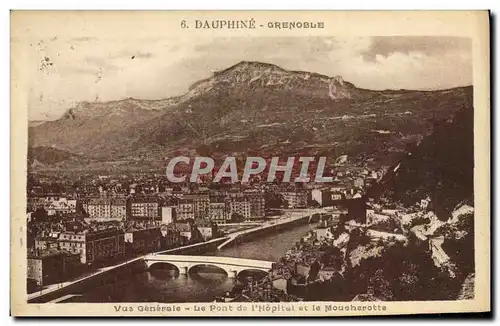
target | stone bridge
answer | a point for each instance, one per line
(232, 266)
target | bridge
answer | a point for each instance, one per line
(232, 266)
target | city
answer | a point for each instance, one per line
(104, 219)
(77, 227)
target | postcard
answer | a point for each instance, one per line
(249, 163)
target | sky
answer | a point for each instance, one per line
(70, 70)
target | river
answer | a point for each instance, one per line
(163, 284)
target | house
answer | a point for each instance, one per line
(47, 242)
(52, 266)
(239, 205)
(218, 212)
(105, 208)
(170, 236)
(323, 233)
(339, 188)
(295, 198)
(321, 196)
(336, 196)
(98, 208)
(317, 196)
(327, 273)
(74, 226)
(257, 204)
(185, 209)
(94, 244)
(201, 203)
(189, 233)
(35, 203)
(359, 183)
(60, 206)
(145, 208)
(168, 214)
(142, 240)
(387, 236)
(208, 230)
(118, 208)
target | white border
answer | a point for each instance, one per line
(212, 5)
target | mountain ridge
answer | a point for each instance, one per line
(253, 106)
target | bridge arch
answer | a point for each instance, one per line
(194, 268)
(247, 272)
(157, 264)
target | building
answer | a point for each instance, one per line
(98, 208)
(118, 208)
(185, 209)
(47, 242)
(35, 203)
(295, 198)
(74, 226)
(257, 204)
(60, 206)
(336, 196)
(142, 241)
(218, 213)
(189, 233)
(339, 188)
(208, 230)
(322, 233)
(168, 214)
(170, 237)
(144, 208)
(201, 204)
(240, 206)
(104, 208)
(326, 197)
(93, 245)
(52, 266)
(359, 183)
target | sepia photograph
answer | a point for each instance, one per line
(262, 165)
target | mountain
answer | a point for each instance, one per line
(440, 168)
(34, 123)
(47, 156)
(255, 107)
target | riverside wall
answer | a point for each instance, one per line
(255, 233)
(115, 273)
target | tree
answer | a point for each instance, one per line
(381, 286)
(274, 200)
(332, 257)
